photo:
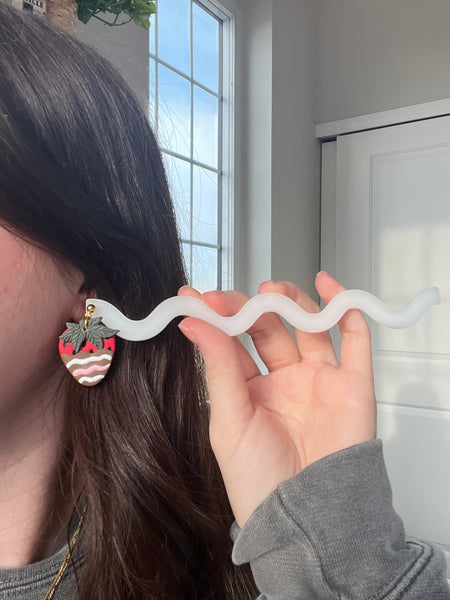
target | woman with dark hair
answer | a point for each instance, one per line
(85, 210)
(112, 491)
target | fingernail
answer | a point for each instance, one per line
(187, 331)
(268, 282)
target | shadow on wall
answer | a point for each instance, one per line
(417, 451)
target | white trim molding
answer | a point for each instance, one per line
(396, 116)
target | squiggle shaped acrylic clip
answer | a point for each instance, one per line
(185, 306)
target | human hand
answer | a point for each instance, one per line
(265, 429)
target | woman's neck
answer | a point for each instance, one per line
(33, 522)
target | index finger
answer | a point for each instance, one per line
(356, 348)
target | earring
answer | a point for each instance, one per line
(87, 348)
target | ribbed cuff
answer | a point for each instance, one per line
(331, 529)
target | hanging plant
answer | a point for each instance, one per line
(66, 13)
(138, 11)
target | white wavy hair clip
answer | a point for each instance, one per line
(185, 306)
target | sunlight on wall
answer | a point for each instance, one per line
(411, 230)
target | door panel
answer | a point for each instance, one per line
(391, 236)
(416, 442)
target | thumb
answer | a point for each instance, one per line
(225, 370)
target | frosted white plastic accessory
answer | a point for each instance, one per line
(186, 306)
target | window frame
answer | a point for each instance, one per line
(226, 129)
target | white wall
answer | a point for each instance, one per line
(378, 55)
(280, 161)
(126, 47)
(295, 152)
(254, 198)
(310, 61)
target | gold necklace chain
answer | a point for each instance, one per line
(65, 562)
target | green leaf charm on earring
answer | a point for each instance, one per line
(87, 349)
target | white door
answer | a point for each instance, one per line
(386, 229)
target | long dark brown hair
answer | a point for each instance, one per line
(81, 176)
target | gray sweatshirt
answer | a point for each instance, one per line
(328, 533)
(331, 533)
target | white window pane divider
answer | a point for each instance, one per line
(226, 107)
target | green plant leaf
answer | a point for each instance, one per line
(137, 10)
(84, 14)
(145, 23)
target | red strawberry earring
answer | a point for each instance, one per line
(87, 348)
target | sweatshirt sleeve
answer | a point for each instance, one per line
(331, 533)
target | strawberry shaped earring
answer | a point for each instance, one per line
(87, 348)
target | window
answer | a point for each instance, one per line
(187, 100)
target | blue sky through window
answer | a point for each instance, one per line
(174, 33)
(174, 112)
(204, 206)
(185, 105)
(206, 48)
(206, 112)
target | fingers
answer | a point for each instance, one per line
(226, 305)
(356, 351)
(272, 341)
(270, 337)
(228, 367)
(316, 347)
(230, 404)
